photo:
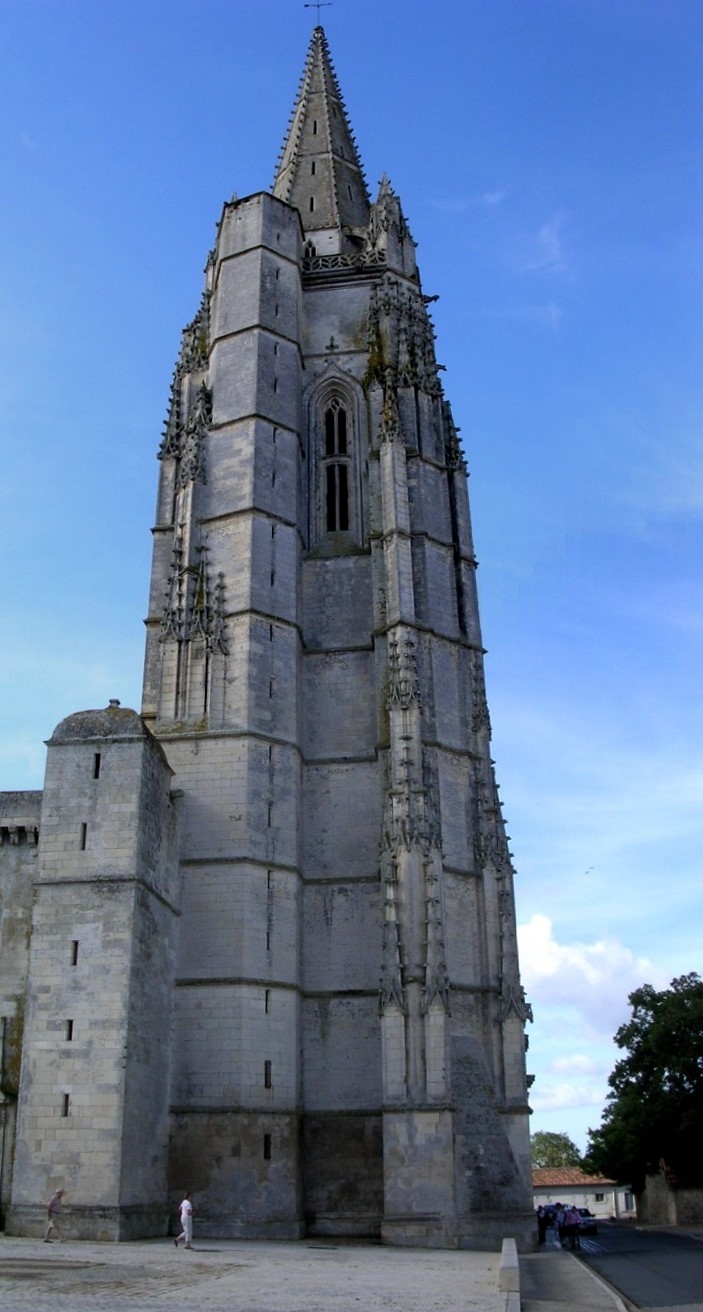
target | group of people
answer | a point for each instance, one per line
(55, 1205)
(567, 1221)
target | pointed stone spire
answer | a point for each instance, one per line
(319, 170)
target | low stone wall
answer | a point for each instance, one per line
(660, 1204)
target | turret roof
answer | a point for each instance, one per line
(319, 171)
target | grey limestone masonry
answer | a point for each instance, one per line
(258, 941)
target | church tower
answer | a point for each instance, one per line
(348, 1041)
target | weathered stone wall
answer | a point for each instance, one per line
(661, 1204)
(93, 1111)
(19, 837)
(343, 1174)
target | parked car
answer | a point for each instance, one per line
(588, 1224)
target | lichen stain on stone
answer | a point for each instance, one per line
(12, 1056)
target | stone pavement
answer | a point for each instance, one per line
(310, 1276)
(553, 1281)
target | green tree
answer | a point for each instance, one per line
(549, 1149)
(654, 1111)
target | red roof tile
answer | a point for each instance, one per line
(550, 1177)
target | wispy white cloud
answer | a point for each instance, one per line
(545, 249)
(542, 316)
(490, 199)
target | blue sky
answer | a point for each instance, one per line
(548, 157)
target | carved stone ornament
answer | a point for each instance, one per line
(195, 343)
(386, 215)
(400, 340)
(403, 683)
(192, 465)
(194, 609)
(480, 717)
(391, 984)
(173, 427)
(313, 263)
(490, 842)
(453, 453)
(436, 982)
(514, 1003)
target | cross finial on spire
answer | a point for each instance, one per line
(318, 5)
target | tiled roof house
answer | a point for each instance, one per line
(569, 1184)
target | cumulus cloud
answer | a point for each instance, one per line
(594, 979)
(566, 1094)
(577, 1063)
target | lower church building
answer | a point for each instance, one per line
(258, 939)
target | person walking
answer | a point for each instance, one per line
(571, 1228)
(559, 1223)
(186, 1234)
(53, 1212)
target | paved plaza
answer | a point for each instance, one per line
(222, 1275)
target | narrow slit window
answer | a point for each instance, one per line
(66, 1105)
(96, 765)
(74, 952)
(84, 837)
(69, 1031)
(267, 1001)
(312, 204)
(312, 167)
(267, 1075)
(336, 468)
(267, 1147)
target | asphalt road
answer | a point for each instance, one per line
(650, 1268)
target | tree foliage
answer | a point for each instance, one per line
(653, 1118)
(550, 1149)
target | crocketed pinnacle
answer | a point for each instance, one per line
(319, 171)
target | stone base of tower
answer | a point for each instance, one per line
(243, 1171)
(485, 1232)
(343, 1174)
(418, 1167)
(100, 1224)
(426, 1194)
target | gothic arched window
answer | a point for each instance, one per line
(335, 468)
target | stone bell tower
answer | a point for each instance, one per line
(349, 1035)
